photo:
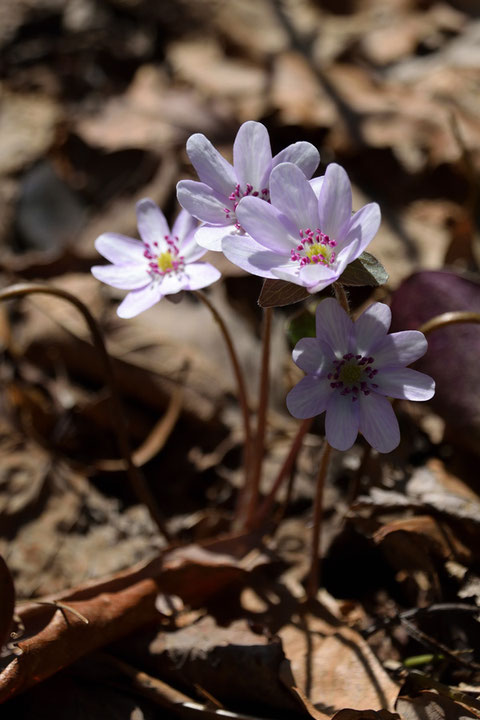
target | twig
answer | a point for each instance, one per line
(259, 449)
(314, 573)
(139, 486)
(449, 318)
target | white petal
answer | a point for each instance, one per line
(309, 397)
(400, 349)
(252, 155)
(139, 300)
(371, 327)
(316, 277)
(316, 185)
(362, 229)
(125, 277)
(184, 225)
(199, 275)
(378, 423)
(303, 154)
(334, 327)
(309, 356)
(211, 236)
(202, 202)
(244, 252)
(335, 202)
(211, 167)
(173, 282)
(341, 422)
(291, 194)
(267, 225)
(151, 222)
(119, 249)
(405, 383)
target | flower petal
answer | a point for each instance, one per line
(242, 250)
(309, 397)
(125, 277)
(211, 236)
(191, 250)
(267, 225)
(252, 155)
(302, 154)
(316, 276)
(334, 326)
(378, 423)
(362, 229)
(316, 185)
(184, 225)
(405, 383)
(202, 202)
(335, 202)
(151, 222)
(342, 420)
(309, 356)
(400, 349)
(139, 300)
(371, 328)
(119, 248)
(173, 282)
(199, 275)
(291, 193)
(211, 167)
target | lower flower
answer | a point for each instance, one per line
(352, 368)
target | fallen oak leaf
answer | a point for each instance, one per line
(55, 637)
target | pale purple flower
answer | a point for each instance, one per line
(307, 234)
(161, 263)
(352, 368)
(215, 198)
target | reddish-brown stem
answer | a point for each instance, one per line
(341, 296)
(315, 555)
(266, 506)
(242, 391)
(449, 318)
(259, 446)
(139, 486)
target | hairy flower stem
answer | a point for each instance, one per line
(259, 445)
(341, 296)
(266, 506)
(242, 391)
(315, 553)
(139, 486)
(449, 318)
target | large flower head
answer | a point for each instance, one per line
(214, 200)
(163, 262)
(307, 234)
(352, 368)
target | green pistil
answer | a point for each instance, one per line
(350, 373)
(165, 261)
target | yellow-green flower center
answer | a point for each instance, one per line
(350, 373)
(317, 249)
(165, 261)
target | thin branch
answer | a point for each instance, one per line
(139, 486)
(449, 318)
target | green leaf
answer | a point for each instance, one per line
(278, 293)
(300, 326)
(365, 270)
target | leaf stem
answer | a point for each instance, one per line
(259, 446)
(266, 506)
(137, 481)
(315, 553)
(449, 318)
(241, 387)
(341, 296)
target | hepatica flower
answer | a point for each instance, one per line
(215, 199)
(163, 262)
(352, 368)
(307, 234)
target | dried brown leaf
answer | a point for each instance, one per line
(7, 603)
